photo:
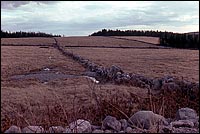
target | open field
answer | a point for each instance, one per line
(27, 41)
(148, 62)
(153, 40)
(62, 100)
(100, 41)
(26, 59)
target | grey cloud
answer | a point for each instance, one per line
(159, 13)
(16, 4)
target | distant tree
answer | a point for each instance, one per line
(169, 39)
(25, 34)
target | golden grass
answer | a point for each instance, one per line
(149, 62)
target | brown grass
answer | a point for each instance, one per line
(28, 41)
(149, 62)
(59, 102)
(99, 41)
(153, 40)
(25, 59)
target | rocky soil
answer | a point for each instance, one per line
(185, 121)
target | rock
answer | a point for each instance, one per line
(121, 132)
(98, 131)
(186, 114)
(108, 131)
(13, 129)
(171, 86)
(95, 127)
(156, 84)
(124, 124)
(168, 79)
(185, 130)
(33, 129)
(111, 122)
(182, 123)
(113, 70)
(166, 129)
(129, 130)
(56, 129)
(147, 119)
(80, 126)
(68, 130)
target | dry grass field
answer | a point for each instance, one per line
(25, 59)
(148, 62)
(100, 41)
(60, 101)
(153, 40)
(27, 41)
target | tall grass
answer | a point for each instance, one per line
(114, 104)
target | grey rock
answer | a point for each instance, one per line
(56, 129)
(121, 132)
(98, 131)
(129, 130)
(124, 124)
(95, 127)
(171, 86)
(157, 84)
(147, 119)
(33, 129)
(108, 131)
(111, 122)
(168, 79)
(166, 129)
(182, 123)
(185, 130)
(186, 114)
(196, 124)
(80, 126)
(67, 130)
(13, 129)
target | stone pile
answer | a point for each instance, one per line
(186, 121)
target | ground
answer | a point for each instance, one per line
(59, 101)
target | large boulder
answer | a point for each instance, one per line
(80, 126)
(111, 122)
(146, 119)
(13, 129)
(186, 114)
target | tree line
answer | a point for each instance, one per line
(6, 34)
(169, 39)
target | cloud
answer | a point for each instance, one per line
(16, 4)
(83, 18)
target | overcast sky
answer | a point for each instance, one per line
(80, 18)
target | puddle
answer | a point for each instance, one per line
(48, 74)
(44, 77)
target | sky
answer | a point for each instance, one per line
(82, 18)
